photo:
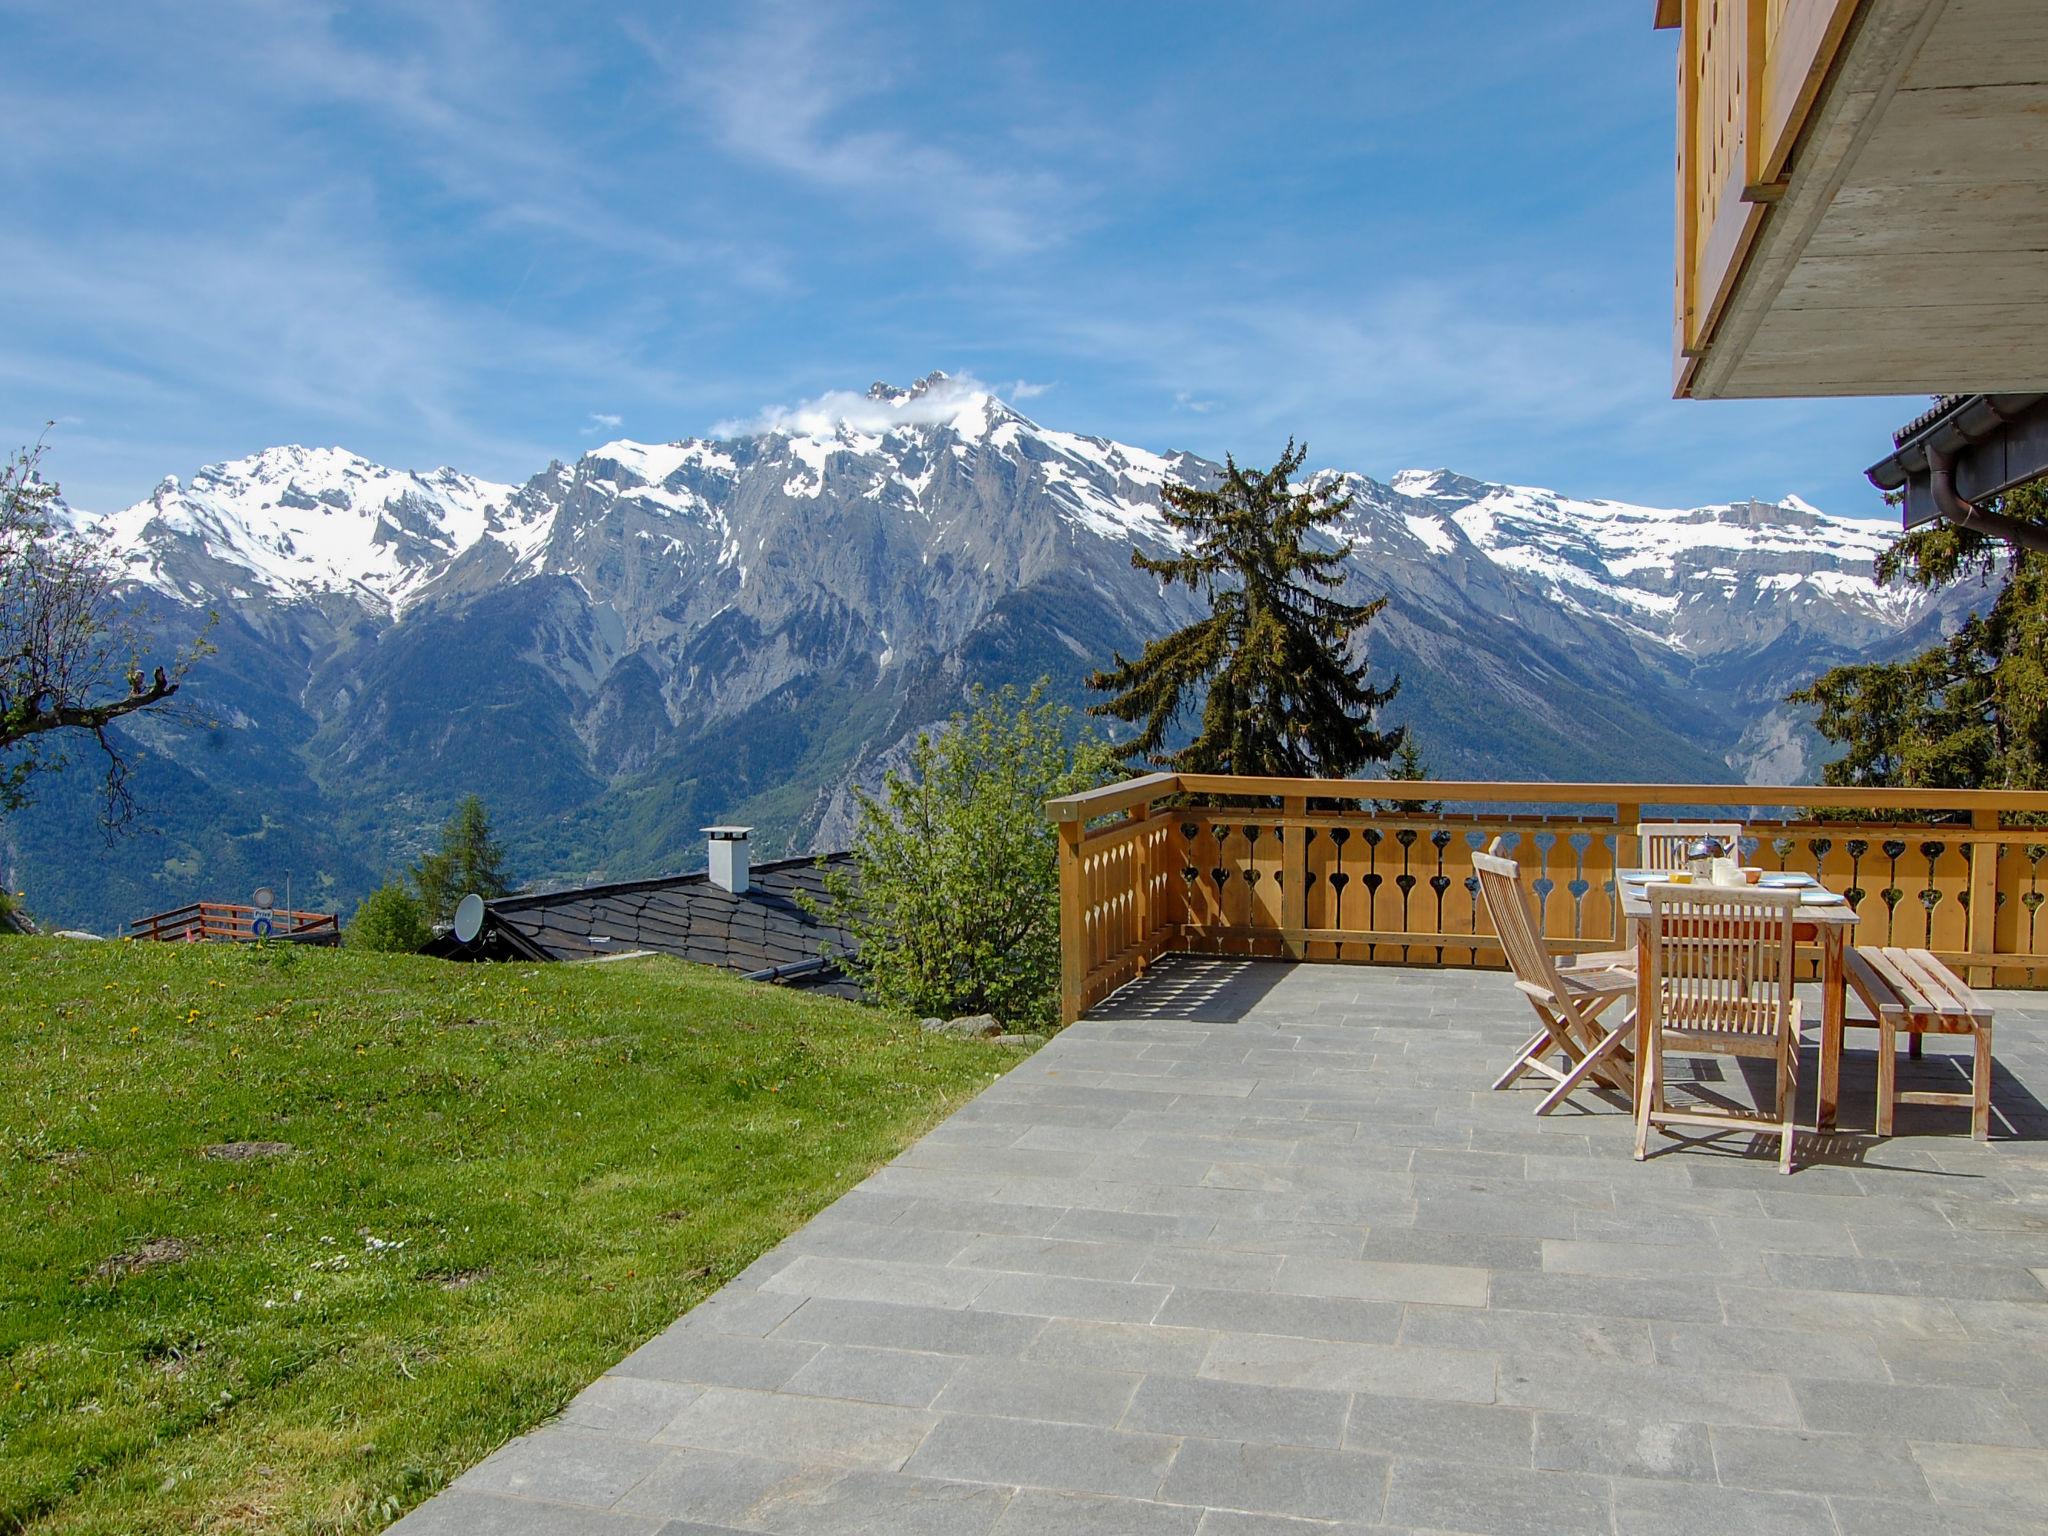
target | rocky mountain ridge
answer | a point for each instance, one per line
(662, 635)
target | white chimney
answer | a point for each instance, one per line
(729, 861)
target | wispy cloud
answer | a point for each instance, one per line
(799, 90)
(603, 421)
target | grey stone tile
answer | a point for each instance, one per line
(1024, 1452)
(738, 1310)
(861, 1240)
(1698, 1509)
(1279, 1480)
(1102, 1301)
(2009, 1480)
(717, 1359)
(812, 1430)
(1212, 1269)
(1229, 1410)
(1025, 1389)
(2003, 1322)
(884, 1325)
(977, 1216)
(1783, 1307)
(1053, 1256)
(1533, 1334)
(1891, 1517)
(1907, 1277)
(1647, 1260)
(1404, 1426)
(1138, 1227)
(1443, 1285)
(1477, 1250)
(459, 1512)
(564, 1464)
(1038, 1512)
(1498, 1215)
(1761, 1235)
(1314, 1317)
(1235, 1522)
(906, 1378)
(1630, 1447)
(1135, 1347)
(1911, 1412)
(1251, 1234)
(865, 1501)
(1704, 1397)
(1411, 1371)
(1461, 1496)
(1737, 1347)
(925, 1285)
(629, 1406)
(717, 1488)
(1816, 1463)
(1671, 1300)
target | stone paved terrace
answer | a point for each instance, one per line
(1253, 1251)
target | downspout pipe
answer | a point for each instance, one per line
(1941, 482)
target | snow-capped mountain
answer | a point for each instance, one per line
(665, 634)
(298, 522)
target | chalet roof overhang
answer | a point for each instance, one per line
(1866, 211)
(1964, 451)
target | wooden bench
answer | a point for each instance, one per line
(1909, 991)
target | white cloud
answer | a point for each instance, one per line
(1024, 389)
(603, 421)
(940, 400)
(775, 92)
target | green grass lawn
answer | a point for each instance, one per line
(496, 1181)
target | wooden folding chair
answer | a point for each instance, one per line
(1664, 842)
(1720, 983)
(1568, 999)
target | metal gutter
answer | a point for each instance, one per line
(1965, 450)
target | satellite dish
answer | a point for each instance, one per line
(469, 918)
(264, 897)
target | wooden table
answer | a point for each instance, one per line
(1827, 927)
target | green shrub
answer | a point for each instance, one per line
(390, 918)
(953, 903)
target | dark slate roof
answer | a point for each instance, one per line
(681, 915)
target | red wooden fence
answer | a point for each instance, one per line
(224, 921)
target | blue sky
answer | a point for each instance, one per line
(1413, 235)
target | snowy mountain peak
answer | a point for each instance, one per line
(938, 454)
(302, 522)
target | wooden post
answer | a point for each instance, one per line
(1983, 897)
(1141, 896)
(1293, 874)
(1628, 854)
(1073, 937)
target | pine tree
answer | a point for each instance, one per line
(1971, 712)
(1410, 768)
(469, 859)
(1283, 696)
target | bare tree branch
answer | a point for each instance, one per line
(70, 663)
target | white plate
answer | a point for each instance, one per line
(1786, 880)
(1822, 899)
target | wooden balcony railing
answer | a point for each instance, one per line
(1219, 864)
(222, 921)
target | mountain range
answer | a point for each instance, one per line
(739, 628)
